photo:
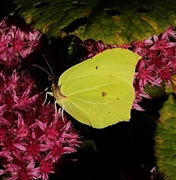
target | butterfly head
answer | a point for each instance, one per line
(56, 93)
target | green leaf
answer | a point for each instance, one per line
(155, 91)
(165, 141)
(112, 21)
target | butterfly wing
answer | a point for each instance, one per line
(99, 92)
(119, 62)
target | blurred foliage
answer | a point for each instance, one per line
(165, 141)
(114, 22)
(155, 91)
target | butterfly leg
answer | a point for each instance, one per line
(61, 111)
(46, 96)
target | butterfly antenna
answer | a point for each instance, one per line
(51, 74)
(36, 65)
(48, 65)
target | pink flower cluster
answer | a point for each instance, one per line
(16, 43)
(33, 136)
(157, 64)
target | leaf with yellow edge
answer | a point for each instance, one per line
(112, 21)
(165, 141)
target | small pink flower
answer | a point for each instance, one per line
(146, 74)
(31, 140)
(92, 47)
(45, 169)
(165, 74)
(30, 132)
(15, 43)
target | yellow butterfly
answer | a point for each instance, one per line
(99, 91)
